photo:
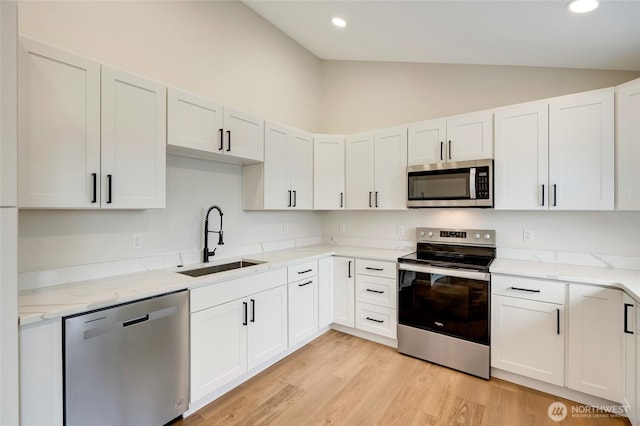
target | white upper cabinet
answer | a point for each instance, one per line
(59, 128)
(8, 113)
(328, 172)
(458, 138)
(522, 150)
(581, 151)
(628, 146)
(556, 154)
(199, 127)
(285, 180)
(376, 167)
(87, 141)
(133, 147)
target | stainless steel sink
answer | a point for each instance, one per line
(207, 270)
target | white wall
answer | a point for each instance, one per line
(362, 96)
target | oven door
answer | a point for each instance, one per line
(446, 301)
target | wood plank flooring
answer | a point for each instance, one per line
(340, 379)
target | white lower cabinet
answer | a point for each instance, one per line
(41, 374)
(344, 291)
(630, 329)
(375, 297)
(325, 293)
(595, 349)
(236, 326)
(303, 310)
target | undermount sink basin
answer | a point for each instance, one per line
(207, 270)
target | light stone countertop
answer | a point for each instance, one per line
(623, 279)
(83, 296)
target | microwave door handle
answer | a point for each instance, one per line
(472, 183)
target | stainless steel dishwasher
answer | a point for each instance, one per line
(129, 364)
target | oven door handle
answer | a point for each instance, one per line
(473, 275)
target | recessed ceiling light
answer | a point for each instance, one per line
(339, 22)
(582, 6)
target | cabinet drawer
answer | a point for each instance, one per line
(219, 293)
(528, 288)
(376, 319)
(376, 290)
(376, 268)
(301, 271)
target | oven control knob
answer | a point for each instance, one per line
(422, 233)
(429, 234)
(477, 236)
(487, 236)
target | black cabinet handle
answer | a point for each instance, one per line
(289, 205)
(558, 322)
(525, 289)
(349, 276)
(441, 148)
(450, 150)
(228, 140)
(244, 307)
(221, 140)
(341, 199)
(375, 291)
(542, 195)
(307, 283)
(554, 195)
(377, 199)
(375, 320)
(295, 198)
(305, 271)
(374, 269)
(253, 310)
(109, 185)
(626, 318)
(370, 198)
(94, 179)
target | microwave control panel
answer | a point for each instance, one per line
(482, 183)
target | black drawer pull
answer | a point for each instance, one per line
(626, 318)
(244, 308)
(253, 310)
(558, 322)
(307, 283)
(109, 185)
(375, 291)
(375, 320)
(528, 290)
(221, 140)
(135, 321)
(94, 179)
(305, 271)
(374, 269)
(229, 140)
(349, 276)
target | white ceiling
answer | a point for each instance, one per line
(515, 32)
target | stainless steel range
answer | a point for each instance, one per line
(443, 298)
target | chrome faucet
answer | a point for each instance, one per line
(206, 253)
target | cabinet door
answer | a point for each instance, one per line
(521, 157)
(595, 357)
(325, 280)
(58, 128)
(630, 358)
(390, 167)
(344, 291)
(359, 172)
(244, 135)
(303, 310)
(470, 137)
(277, 193)
(300, 166)
(218, 347)
(519, 328)
(427, 142)
(8, 132)
(581, 151)
(328, 172)
(133, 149)
(267, 313)
(628, 146)
(194, 122)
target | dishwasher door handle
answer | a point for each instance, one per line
(110, 327)
(134, 321)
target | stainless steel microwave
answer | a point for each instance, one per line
(459, 184)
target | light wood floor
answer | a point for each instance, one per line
(344, 380)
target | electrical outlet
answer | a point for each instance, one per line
(136, 241)
(528, 235)
(400, 231)
(343, 228)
